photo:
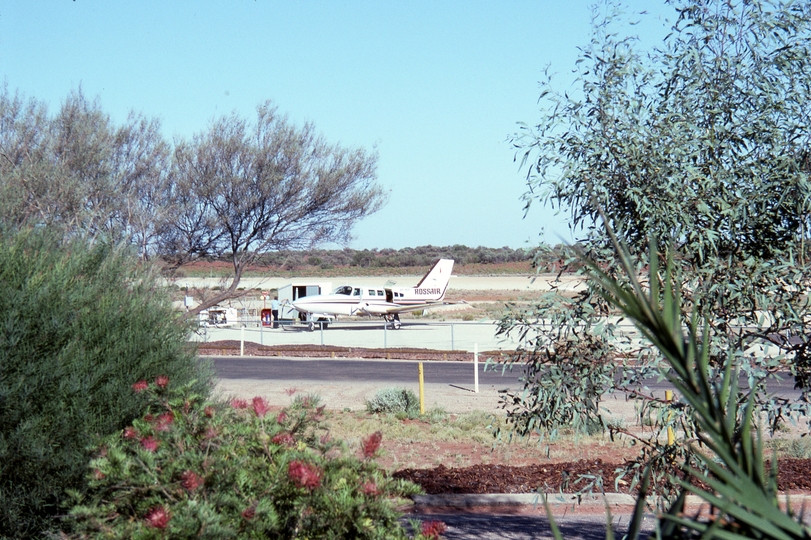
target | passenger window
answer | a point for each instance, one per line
(356, 292)
(380, 293)
(371, 292)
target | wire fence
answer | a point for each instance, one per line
(436, 335)
(444, 335)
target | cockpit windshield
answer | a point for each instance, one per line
(346, 289)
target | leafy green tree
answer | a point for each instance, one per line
(729, 471)
(79, 323)
(702, 143)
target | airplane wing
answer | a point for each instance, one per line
(383, 309)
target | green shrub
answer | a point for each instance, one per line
(394, 400)
(78, 324)
(192, 468)
(795, 448)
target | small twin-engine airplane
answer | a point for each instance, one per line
(381, 301)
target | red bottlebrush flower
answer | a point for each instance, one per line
(239, 404)
(249, 513)
(260, 406)
(283, 439)
(148, 417)
(162, 381)
(281, 417)
(210, 433)
(190, 480)
(304, 475)
(149, 444)
(130, 433)
(291, 391)
(158, 518)
(140, 386)
(164, 422)
(98, 475)
(209, 412)
(371, 444)
(433, 529)
(369, 489)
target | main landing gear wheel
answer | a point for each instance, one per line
(394, 320)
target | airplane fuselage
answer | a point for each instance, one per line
(348, 300)
(366, 300)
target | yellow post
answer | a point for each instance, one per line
(422, 391)
(671, 437)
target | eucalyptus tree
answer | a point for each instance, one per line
(702, 143)
(240, 189)
(77, 171)
(25, 164)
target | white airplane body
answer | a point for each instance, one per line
(387, 302)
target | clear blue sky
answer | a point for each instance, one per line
(436, 86)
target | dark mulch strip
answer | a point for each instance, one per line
(793, 475)
(231, 347)
(509, 479)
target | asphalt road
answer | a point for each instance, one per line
(337, 370)
(467, 526)
(400, 371)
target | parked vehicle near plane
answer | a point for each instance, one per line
(218, 316)
(296, 290)
(386, 302)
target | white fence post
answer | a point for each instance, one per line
(476, 367)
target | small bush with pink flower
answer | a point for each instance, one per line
(193, 468)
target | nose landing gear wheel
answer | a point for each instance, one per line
(321, 323)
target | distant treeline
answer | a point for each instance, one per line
(405, 257)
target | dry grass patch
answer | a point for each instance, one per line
(463, 440)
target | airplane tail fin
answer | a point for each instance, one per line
(434, 284)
